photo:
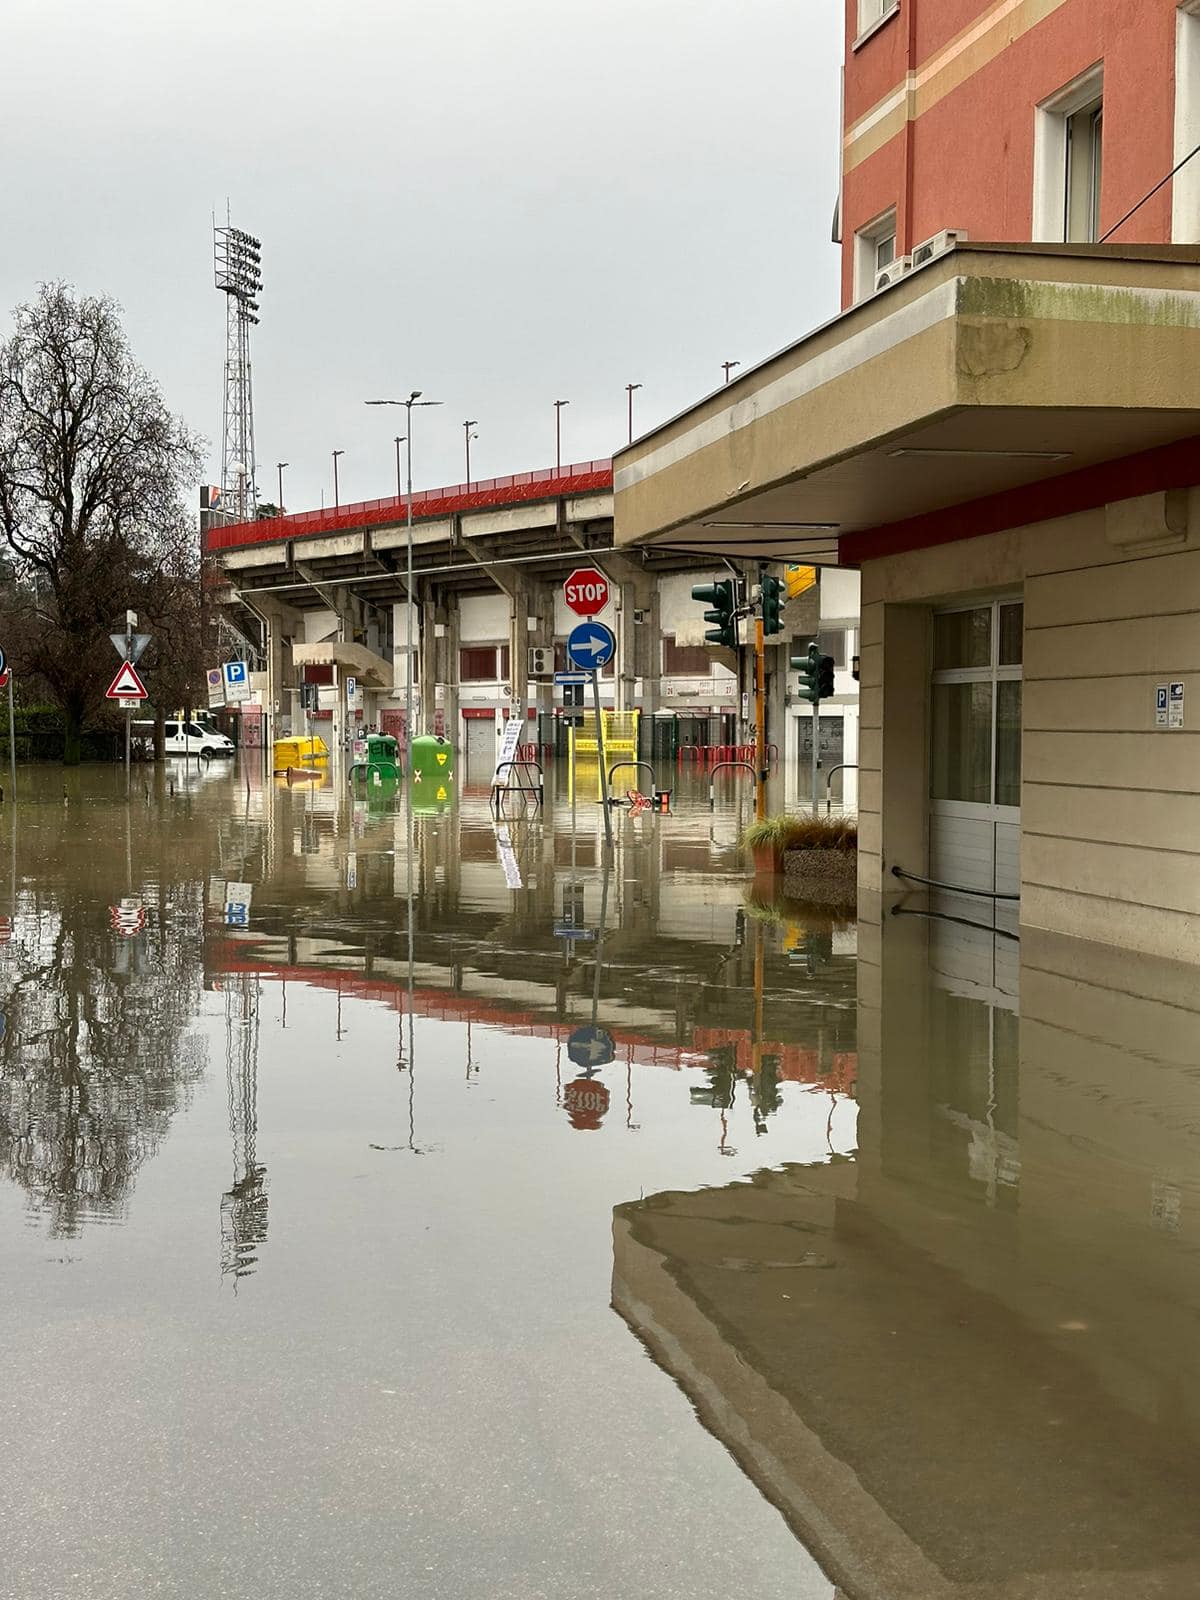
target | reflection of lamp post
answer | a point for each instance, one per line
(414, 399)
(630, 389)
(558, 405)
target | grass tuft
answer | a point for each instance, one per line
(802, 833)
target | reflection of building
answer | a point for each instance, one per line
(965, 1365)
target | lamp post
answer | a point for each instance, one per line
(400, 438)
(336, 454)
(279, 466)
(630, 389)
(558, 405)
(414, 399)
(728, 366)
(468, 436)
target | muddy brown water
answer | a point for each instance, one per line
(867, 1266)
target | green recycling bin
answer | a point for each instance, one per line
(431, 768)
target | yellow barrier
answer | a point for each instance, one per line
(299, 752)
(619, 730)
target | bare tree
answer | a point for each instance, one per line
(93, 472)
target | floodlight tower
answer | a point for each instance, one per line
(238, 262)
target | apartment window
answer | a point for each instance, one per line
(1069, 162)
(1185, 204)
(832, 642)
(872, 12)
(874, 249)
(685, 660)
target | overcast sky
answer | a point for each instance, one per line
(499, 202)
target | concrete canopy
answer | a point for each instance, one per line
(355, 659)
(992, 369)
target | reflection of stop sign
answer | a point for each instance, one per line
(586, 1101)
(586, 591)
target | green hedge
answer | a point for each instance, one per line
(41, 736)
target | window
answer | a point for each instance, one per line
(1068, 162)
(1185, 205)
(685, 660)
(872, 12)
(477, 664)
(976, 754)
(832, 642)
(874, 249)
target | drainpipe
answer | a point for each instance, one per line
(908, 236)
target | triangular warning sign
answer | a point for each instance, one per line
(126, 685)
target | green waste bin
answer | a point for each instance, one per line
(432, 772)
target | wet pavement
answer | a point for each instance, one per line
(339, 1260)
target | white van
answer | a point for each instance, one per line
(191, 739)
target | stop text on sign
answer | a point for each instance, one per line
(586, 591)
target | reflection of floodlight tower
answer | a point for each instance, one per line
(238, 263)
(244, 1205)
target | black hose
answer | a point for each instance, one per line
(952, 888)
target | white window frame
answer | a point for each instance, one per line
(994, 674)
(872, 14)
(866, 251)
(1185, 199)
(1050, 151)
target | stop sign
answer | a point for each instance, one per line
(586, 591)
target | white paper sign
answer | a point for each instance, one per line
(1175, 706)
(509, 741)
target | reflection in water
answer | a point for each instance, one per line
(993, 1387)
(101, 974)
(244, 1203)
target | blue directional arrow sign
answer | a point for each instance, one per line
(591, 645)
(591, 1047)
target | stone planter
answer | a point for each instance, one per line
(828, 877)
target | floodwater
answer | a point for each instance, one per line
(866, 1267)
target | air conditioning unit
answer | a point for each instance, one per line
(937, 246)
(541, 661)
(640, 615)
(893, 272)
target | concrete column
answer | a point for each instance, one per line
(454, 731)
(518, 639)
(429, 658)
(893, 756)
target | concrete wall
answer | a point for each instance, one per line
(1110, 847)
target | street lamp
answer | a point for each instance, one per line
(414, 399)
(400, 438)
(336, 454)
(468, 436)
(728, 366)
(630, 389)
(558, 405)
(279, 466)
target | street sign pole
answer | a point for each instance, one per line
(760, 720)
(12, 740)
(130, 624)
(603, 754)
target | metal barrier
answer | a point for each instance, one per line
(846, 766)
(530, 791)
(712, 781)
(637, 765)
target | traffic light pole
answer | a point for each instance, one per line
(816, 753)
(760, 722)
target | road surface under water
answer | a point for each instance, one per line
(339, 1259)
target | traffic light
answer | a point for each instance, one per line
(773, 600)
(809, 668)
(721, 599)
(816, 675)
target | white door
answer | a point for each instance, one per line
(975, 767)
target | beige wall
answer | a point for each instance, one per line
(1110, 804)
